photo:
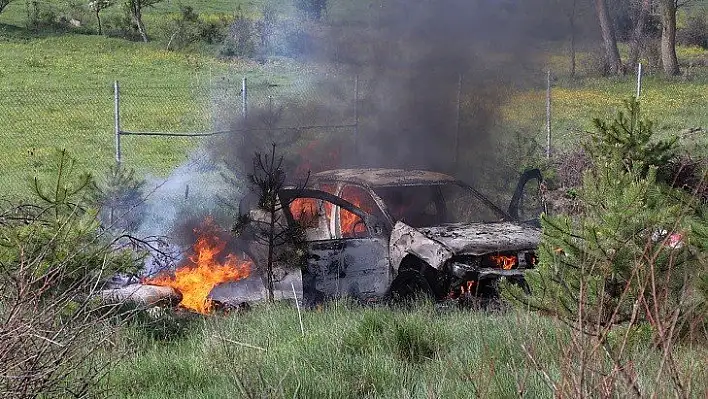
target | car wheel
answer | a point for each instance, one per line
(408, 286)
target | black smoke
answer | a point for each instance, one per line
(433, 77)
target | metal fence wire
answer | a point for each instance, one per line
(180, 118)
(36, 120)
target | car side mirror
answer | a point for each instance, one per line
(527, 204)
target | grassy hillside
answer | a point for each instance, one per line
(353, 352)
(57, 92)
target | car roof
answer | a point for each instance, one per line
(376, 177)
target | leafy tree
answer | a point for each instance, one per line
(134, 8)
(240, 40)
(97, 6)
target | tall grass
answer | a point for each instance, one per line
(354, 352)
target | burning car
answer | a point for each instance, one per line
(387, 233)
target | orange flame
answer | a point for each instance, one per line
(204, 270)
(351, 223)
(503, 261)
(304, 210)
(468, 287)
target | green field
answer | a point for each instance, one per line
(355, 352)
(56, 92)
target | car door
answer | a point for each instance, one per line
(339, 265)
(528, 203)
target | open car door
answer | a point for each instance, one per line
(527, 204)
(354, 265)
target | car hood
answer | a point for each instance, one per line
(482, 238)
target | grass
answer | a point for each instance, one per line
(58, 95)
(57, 92)
(354, 352)
(675, 104)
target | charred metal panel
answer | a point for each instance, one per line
(407, 240)
(483, 238)
(381, 177)
(356, 267)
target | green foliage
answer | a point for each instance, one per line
(633, 232)
(312, 8)
(630, 138)
(60, 233)
(119, 196)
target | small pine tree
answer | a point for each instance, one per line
(630, 138)
(58, 235)
(634, 234)
(282, 241)
(119, 197)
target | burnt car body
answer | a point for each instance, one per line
(388, 233)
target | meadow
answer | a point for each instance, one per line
(347, 351)
(57, 91)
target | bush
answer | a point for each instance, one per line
(53, 258)
(240, 40)
(312, 8)
(189, 29)
(694, 33)
(634, 231)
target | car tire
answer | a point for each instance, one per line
(409, 286)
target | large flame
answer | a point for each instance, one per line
(503, 261)
(206, 268)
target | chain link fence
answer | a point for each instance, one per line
(174, 120)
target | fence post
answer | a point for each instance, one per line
(548, 115)
(244, 104)
(639, 80)
(116, 119)
(356, 116)
(457, 122)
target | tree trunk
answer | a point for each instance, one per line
(136, 9)
(638, 34)
(571, 19)
(608, 37)
(668, 37)
(100, 32)
(271, 248)
(141, 27)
